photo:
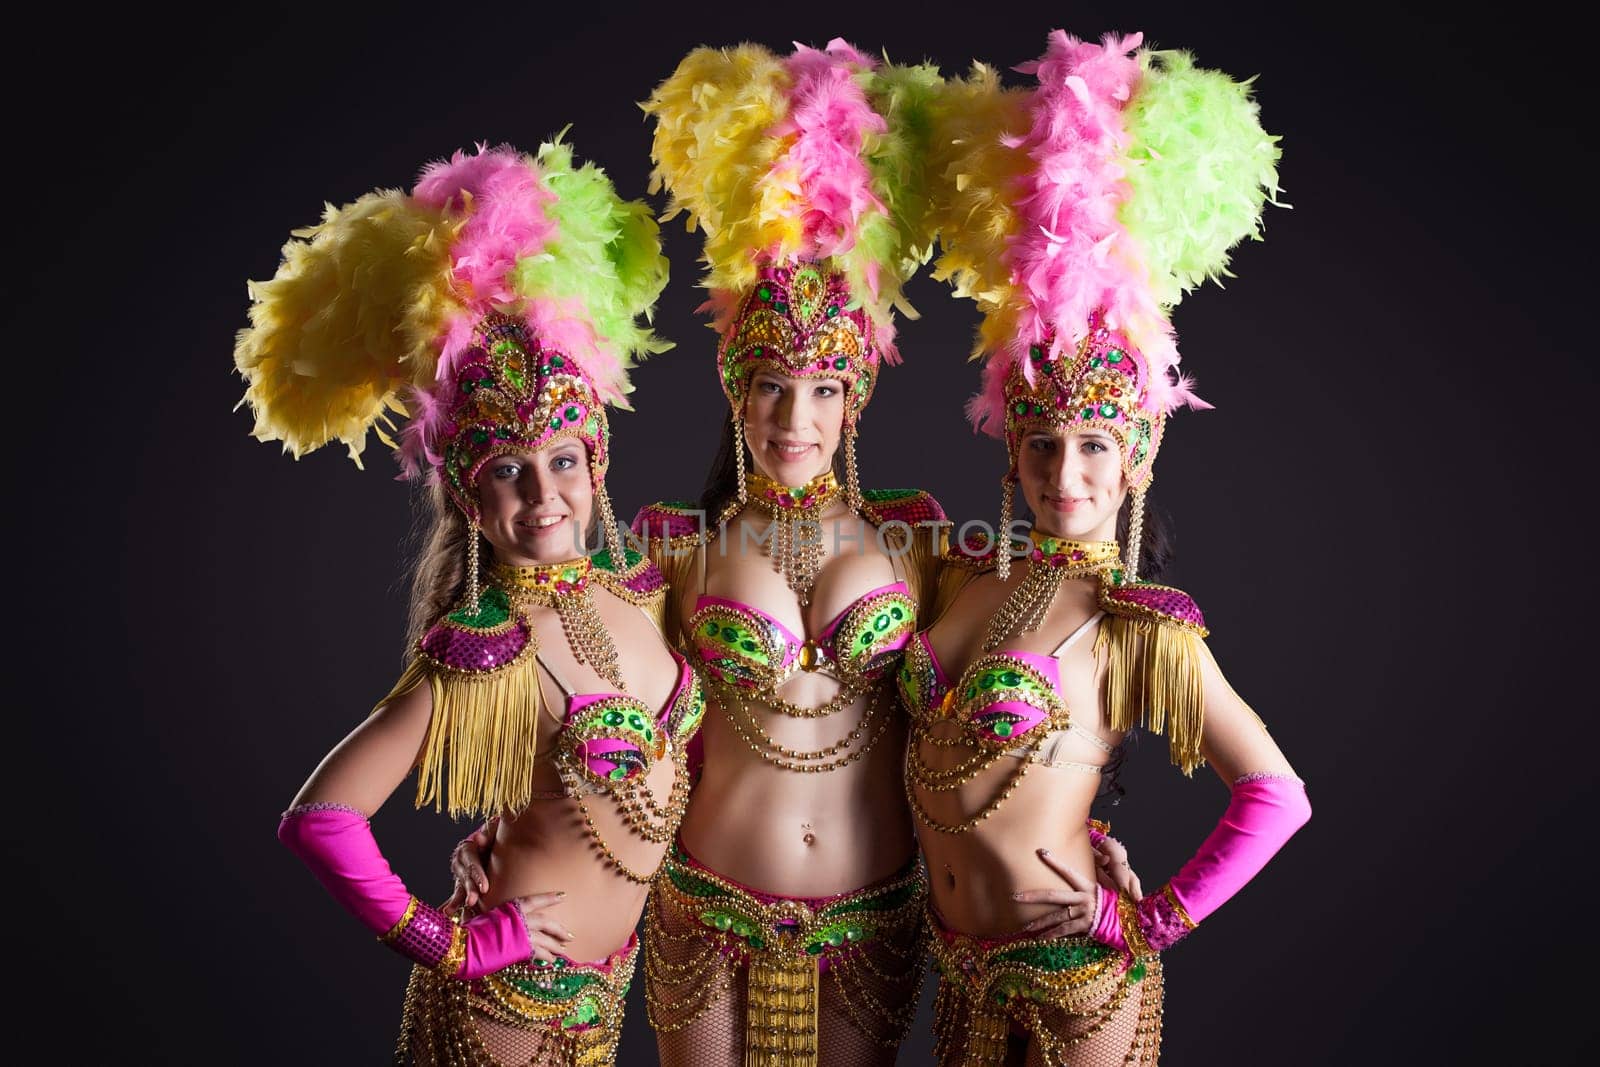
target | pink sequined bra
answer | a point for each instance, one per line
(744, 647)
(613, 738)
(1003, 700)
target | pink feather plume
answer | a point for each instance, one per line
(502, 194)
(506, 196)
(1071, 256)
(831, 118)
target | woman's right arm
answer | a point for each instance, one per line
(367, 767)
(327, 829)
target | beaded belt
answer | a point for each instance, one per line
(580, 1003)
(988, 986)
(787, 944)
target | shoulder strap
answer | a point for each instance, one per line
(1074, 635)
(561, 683)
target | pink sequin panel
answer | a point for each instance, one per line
(647, 581)
(659, 521)
(426, 937)
(466, 650)
(1170, 602)
(905, 505)
(1160, 922)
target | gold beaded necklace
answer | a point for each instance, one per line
(1052, 561)
(798, 557)
(565, 587)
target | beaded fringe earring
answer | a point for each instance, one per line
(472, 568)
(738, 456)
(609, 535)
(1135, 535)
(852, 480)
(1002, 565)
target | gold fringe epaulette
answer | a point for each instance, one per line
(914, 525)
(1153, 636)
(478, 757)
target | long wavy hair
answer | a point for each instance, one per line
(439, 575)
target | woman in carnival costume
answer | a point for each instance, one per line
(783, 927)
(496, 304)
(1076, 214)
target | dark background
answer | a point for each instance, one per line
(1378, 517)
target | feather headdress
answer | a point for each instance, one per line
(805, 174)
(1076, 213)
(496, 305)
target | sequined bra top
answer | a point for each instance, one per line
(613, 738)
(743, 647)
(1002, 700)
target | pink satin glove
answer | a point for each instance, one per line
(1265, 812)
(336, 842)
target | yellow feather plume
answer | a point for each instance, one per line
(973, 178)
(322, 355)
(713, 156)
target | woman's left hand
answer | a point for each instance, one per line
(467, 862)
(1112, 869)
(1079, 901)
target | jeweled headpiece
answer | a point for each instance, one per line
(1076, 214)
(805, 173)
(496, 305)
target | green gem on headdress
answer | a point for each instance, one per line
(806, 290)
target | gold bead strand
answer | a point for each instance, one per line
(473, 587)
(1002, 565)
(1135, 534)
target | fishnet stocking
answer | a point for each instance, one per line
(840, 1042)
(683, 975)
(514, 1046)
(1114, 1045)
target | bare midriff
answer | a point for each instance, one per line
(795, 833)
(972, 875)
(546, 848)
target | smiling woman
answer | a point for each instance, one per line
(541, 694)
(1032, 675)
(538, 505)
(785, 928)
(1074, 478)
(792, 425)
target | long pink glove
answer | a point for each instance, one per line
(336, 842)
(1264, 813)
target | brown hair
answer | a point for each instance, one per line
(1157, 546)
(439, 577)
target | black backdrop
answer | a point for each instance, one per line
(1371, 517)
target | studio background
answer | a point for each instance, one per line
(1372, 518)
